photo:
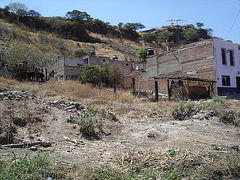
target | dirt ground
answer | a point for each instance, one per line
(140, 127)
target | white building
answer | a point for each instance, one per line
(227, 67)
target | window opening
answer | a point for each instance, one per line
(223, 56)
(226, 80)
(231, 54)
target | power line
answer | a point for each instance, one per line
(233, 24)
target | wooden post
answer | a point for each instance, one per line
(168, 89)
(156, 90)
(35, 71)
(46, 76)
(188, 93)
(133, 86)
(115, 85)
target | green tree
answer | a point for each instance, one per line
(209, 31)
(6, 9)
(199, 25)
(150, 37)
(165, 35)
(192, 35)
(120, 25)
(21, 13)
(78, 15)
(33, 13)
(134, 26)
(105, 74)
(116, 73)
(17, 8)
(18, 52)
(92, 74)
(142, 53)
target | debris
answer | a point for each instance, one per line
(68, 106)
(75, 141)
(15, 95)
(27, 143)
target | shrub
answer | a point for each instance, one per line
(218, 99)
(184, 108)
(79, 53)
(142, 53)
(192, 35)
(150, 37)
(36, 167)
(92, 74)
(88, 124)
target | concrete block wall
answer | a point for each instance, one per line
(125, 67)
(169, 64)
(58, 67)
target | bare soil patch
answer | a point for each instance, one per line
(140, 127)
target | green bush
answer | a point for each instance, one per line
(142, 53)
(92, 74)
(88, 125)
(218, 99)
(36, 167)
(192, 35)
(150, 37)
(184, 108)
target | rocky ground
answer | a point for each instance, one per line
(136, 127)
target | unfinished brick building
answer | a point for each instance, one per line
(70, 68)
(196, 69)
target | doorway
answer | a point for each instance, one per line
(238, 84)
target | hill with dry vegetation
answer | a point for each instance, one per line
(73, 37)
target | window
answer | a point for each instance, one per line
(226, 80)
(223, 56)
(231, 54)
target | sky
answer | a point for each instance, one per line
(222, 16)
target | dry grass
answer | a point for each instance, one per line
(126, 97)
(51, 43)
(69, 90)
(8, 82)
(230, 112)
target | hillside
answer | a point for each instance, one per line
(58, 36)
(52, 43)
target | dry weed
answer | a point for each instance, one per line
(126, 97)
(8, 82)
(71, 90)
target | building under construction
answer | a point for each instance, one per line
(193, 71)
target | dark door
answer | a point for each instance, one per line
(238, 84)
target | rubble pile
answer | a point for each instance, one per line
(68, 106)
(15, 95)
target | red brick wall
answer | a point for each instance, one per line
(195, 60)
